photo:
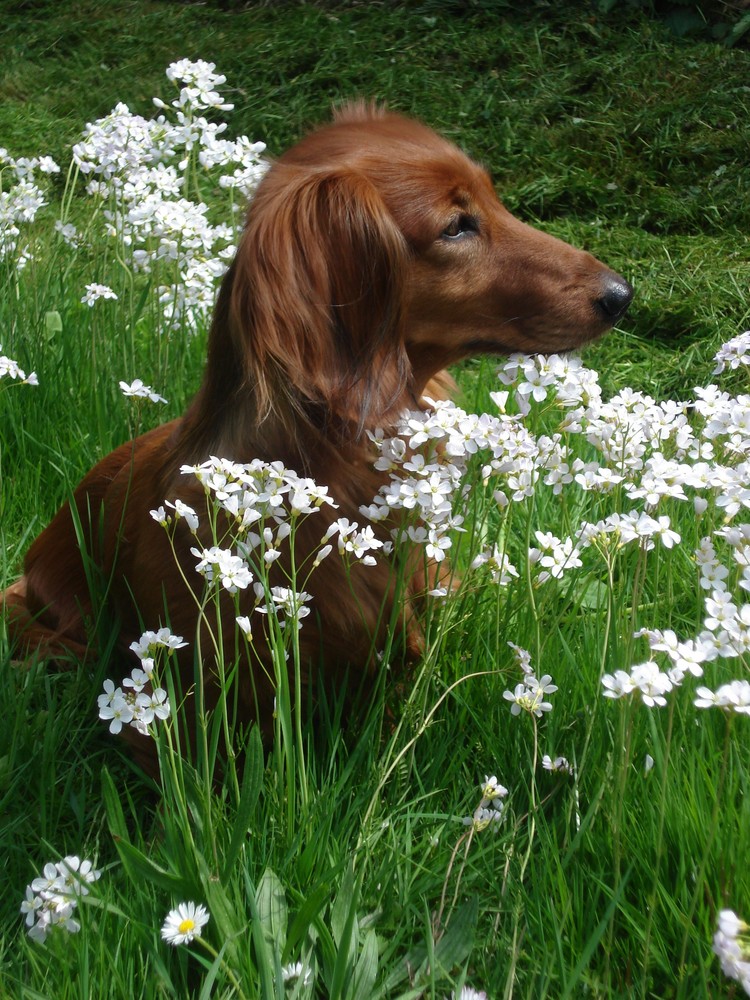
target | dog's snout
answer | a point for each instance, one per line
(615, 298)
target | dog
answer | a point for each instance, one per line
(374, 255)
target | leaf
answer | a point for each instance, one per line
(252, 780)
(309, 910)
(593, 596)
(454, 947)
(264, 952)
(452, 950)
(366, 970)
(113, 807)
(272, 909)
(52, 324)
(343, 905)
(345, 932)
(141, 868)
(208, 982)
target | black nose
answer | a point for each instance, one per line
(616, 296)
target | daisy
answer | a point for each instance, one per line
(184, 923)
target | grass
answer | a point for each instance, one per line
(610, 133)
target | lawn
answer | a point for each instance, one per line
(556, 804)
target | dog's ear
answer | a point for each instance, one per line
(317, 299)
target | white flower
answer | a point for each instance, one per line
(150, 641)
(617, 685)
(52, 898)
(117, 709)
(296, 970)
(244, 623)
(231, 571)
(184, 923)
(485, 816)
(522, 657)
(730, 924)
(733, 353)
(652, 683)
(160, 515)
(501, 569)
(529, 696)
(181, 510)
(560, 765)
(732, 697)
(95, 291)
(731, 947)
(467, 993)
(492, 789)
(138, 389)
(10, 369)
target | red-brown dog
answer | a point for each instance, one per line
(375, 254)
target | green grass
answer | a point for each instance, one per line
(610, 133)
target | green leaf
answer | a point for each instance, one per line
(344, 904)
(272, 909)
(367, 969)
(306, 915)
(454, 947)
(208, 982)
(451, 951)
(52, 324)
(252, 781)
(345, 932)
(113, 807)
(593, 596)
(140, 868)
(265, 954)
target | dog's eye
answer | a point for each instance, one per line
(462, 225)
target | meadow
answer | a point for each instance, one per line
(556, 804)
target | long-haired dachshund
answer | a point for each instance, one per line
(374, 255)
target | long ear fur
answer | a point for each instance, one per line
(316, 307)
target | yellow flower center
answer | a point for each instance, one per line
(186, 925)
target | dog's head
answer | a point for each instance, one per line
(376, 253)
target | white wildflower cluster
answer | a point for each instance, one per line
(22, 194)
(529, 695)
(264, 503)
(554, 555)
(10, 369)
(501, 569)
(51, 899)
(286, 604)
(354, 543)
(646, 678)
(732, 945)
(138, 702)
(427, 461)
(468, 993)
(491, 808)
(725, 633)
(631, 460)
(734, 353)
(95, 291)
(140, 170)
